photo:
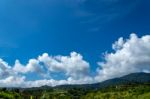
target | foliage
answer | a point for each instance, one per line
(131, 91)
(121, 92)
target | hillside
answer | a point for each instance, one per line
(134, 78)
(132, 86)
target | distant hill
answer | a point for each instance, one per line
(133, 78)
(138, 77)
(130, 86)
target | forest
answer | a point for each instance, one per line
(131, 91)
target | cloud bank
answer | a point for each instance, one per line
(74, 67)
(128, 56)
(131, 55)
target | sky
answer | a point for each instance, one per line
(54, 42)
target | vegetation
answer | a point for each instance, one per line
(121, 92)
(9, 94)
(135, 91)
(127, 87)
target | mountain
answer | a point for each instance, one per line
(133, 78)
(138, 77)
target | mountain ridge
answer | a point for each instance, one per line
(133, 78)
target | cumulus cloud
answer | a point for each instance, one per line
(32, 66)
(21, 81)
(12, 81)
(129, 56)
(72, 65)
(5, 69)
(53, 82)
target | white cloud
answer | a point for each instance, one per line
(72, 65)
(131, 55)
(12, 81)
(32, 66)
(53, 82)
(20, 81)
(5, 69)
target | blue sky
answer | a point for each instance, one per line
(29, 28)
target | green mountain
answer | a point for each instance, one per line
(133, 78)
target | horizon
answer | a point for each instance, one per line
(76, 84)
(57, 42)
